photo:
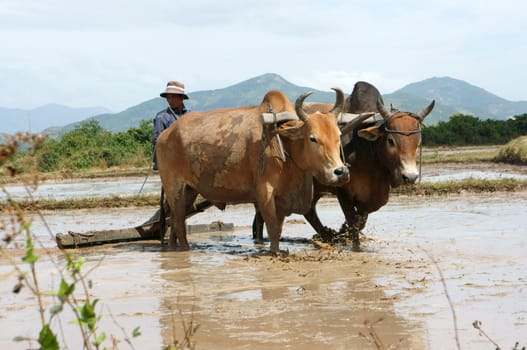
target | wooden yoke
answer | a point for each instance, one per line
(272, 118)
(347, 122)
(345, 118)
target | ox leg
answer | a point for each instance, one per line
(258, 224)
(179, 204)
(273, 222)
(362, 218)
(274, 231)
(354, 220)
(177, 225)
(324, 233)
(312, 216)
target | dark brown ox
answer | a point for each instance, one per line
(219, 155)
(380, 154)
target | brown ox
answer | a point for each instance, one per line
(219, 155)
(380, 154)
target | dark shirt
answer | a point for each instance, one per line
(163, 120)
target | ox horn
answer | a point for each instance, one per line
(352, 125)
(383, 111)
(298, 106)
(339, 102)
(425, 111)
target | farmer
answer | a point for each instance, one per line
(174, 94)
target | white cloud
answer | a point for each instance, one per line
(117, 54)
(346, 80)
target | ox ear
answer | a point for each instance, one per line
(290, 129)
(371, 134)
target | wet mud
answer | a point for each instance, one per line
(311, 297)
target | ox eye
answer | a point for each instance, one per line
(312, 138)
(391, 142)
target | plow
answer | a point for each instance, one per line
(152, 229)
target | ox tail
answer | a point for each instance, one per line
(162, 217)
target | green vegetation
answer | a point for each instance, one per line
(465, 130)
(73, 292)
(90, 146)
(73, 289)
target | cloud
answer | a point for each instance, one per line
(116, 54)
(346, 80)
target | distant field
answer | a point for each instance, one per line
(460, 154)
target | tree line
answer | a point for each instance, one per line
(91, 146)
(467, 130)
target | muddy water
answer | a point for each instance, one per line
(242, 298)
(61, 190)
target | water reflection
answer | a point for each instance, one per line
(258, 301)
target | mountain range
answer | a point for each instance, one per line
(38, 119)
(452, 96)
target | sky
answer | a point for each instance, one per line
(117, 54)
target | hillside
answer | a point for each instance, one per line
(454, 96)
(451, 95)
(251, 92)
(247, 93)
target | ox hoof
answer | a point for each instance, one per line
(355, 245)
(280, 253)
(173, 245)
(326, 235)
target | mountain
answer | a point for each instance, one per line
(453, 96)
(247, 93)
(251, 92)
(38, 119)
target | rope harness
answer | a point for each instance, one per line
(265, 141)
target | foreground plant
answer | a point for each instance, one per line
(478, 325)
(73, 291)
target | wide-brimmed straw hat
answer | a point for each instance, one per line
(174, 87)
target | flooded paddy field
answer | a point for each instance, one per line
(243, 298)
(151, 184)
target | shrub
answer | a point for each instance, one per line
(514, 152)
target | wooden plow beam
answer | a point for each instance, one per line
(149, 230)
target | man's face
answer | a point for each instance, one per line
(175, 100)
